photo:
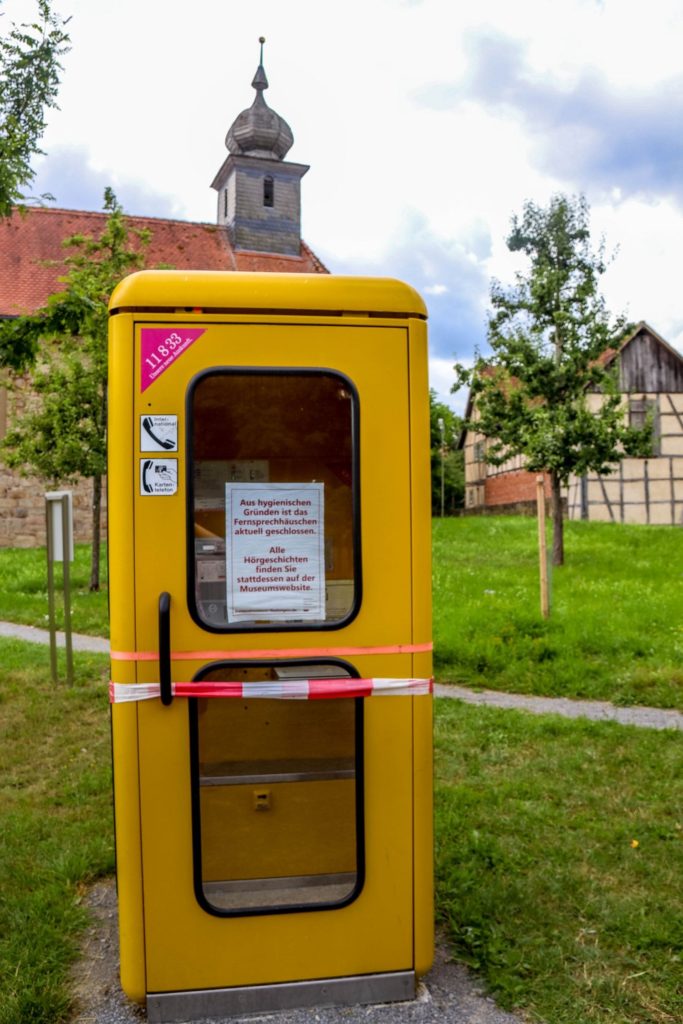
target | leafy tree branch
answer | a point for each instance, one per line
(29, 81)
(62, 434)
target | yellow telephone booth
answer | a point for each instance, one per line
(269, 559)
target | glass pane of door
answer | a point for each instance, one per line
(273, 499)
(277, 790)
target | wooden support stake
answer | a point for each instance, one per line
(542, 547)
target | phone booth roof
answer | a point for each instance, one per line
(213, 291)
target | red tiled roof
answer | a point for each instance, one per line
(31, 252)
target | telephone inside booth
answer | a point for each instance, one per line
(270, 616)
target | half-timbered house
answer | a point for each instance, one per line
(643, 490)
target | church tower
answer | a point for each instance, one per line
(259, 192)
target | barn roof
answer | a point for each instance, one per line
(610, 355)
(32, 254)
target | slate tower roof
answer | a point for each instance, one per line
(259, 192)
(258, 130)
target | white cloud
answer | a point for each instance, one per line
(442, 378)
(643, 279)
(397, 186)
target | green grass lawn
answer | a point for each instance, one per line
(56, 828)
(23, 590)
(539, 882)
(559, 859)
(616, 626)
(615, 631)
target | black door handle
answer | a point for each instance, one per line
(165, 648)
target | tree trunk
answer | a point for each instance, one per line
(558, 522)
(96, 516)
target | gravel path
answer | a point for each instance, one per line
(597, 710)
(97, 644)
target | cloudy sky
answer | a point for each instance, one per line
(426, 124)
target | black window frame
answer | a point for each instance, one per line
(359, 715)
(274, 627)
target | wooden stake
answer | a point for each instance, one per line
(542, 547)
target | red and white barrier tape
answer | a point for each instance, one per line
(297, 689)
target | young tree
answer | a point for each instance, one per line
(29, 79)
(448, 473)
(62, 435)
(548, 333)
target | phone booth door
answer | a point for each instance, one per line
(272, 553)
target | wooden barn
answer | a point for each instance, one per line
(646, 490)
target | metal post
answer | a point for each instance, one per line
(59, 548)
(51, 591)
(443, 456)
(66, 552)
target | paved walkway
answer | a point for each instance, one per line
(597, 710)
(97, 644)
(649, 718)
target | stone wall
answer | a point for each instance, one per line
(513, 508)
(22, 510)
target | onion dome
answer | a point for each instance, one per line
(260, 131)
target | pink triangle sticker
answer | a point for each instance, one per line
(160, 347)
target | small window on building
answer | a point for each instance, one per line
(478, 451)
(225, 202)
(268, 191)
(641, 412)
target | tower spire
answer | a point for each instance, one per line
(259, 194)
(260, 81)
(258, 130)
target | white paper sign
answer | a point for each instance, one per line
(275, 541)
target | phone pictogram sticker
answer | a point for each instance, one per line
(158, 433)
(158, 476)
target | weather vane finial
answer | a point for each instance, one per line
(261, 40)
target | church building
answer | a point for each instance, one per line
(258, 228)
